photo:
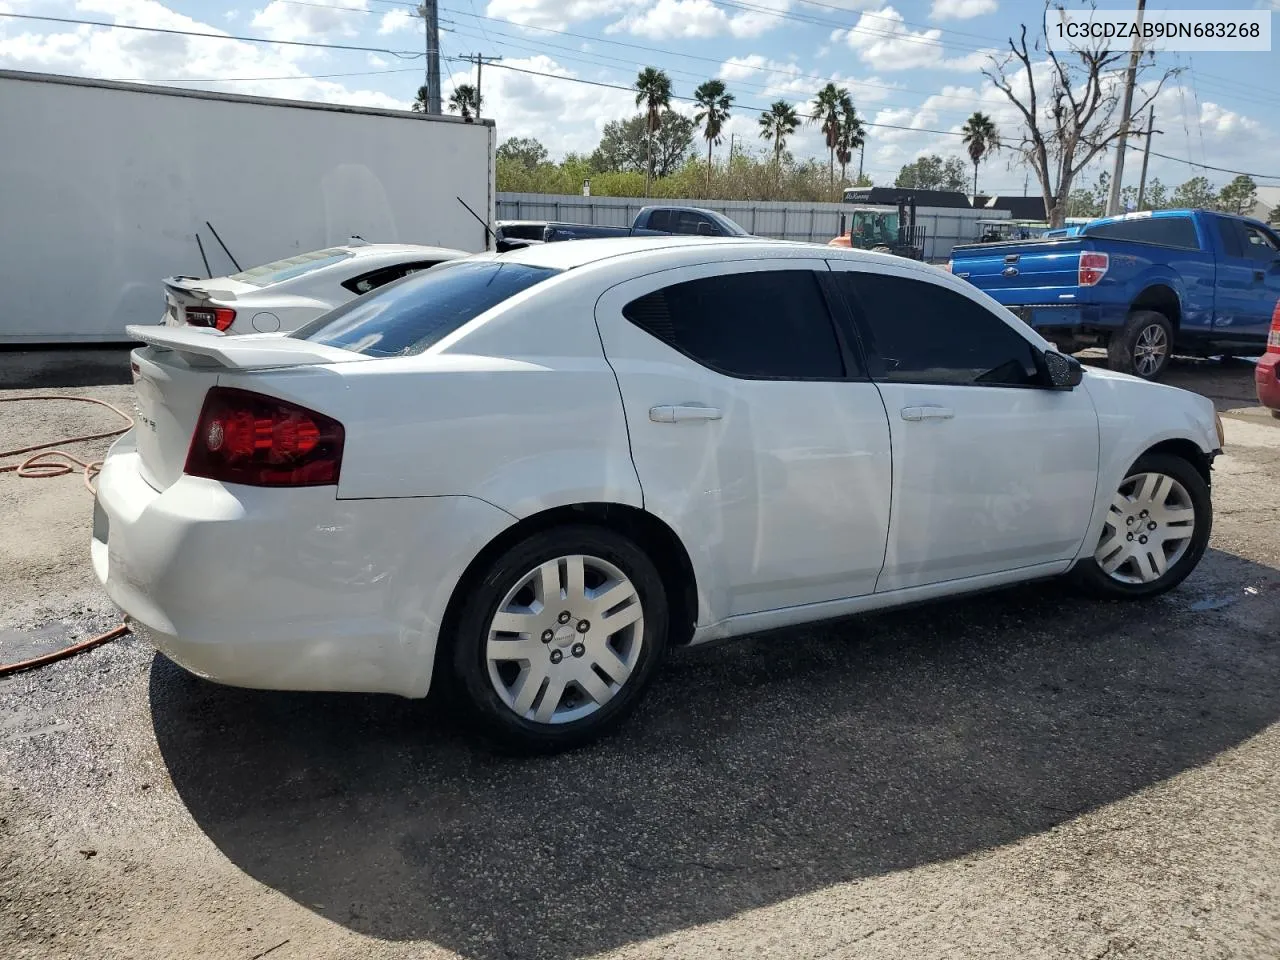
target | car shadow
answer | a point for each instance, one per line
(754, 772)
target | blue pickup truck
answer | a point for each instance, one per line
(1143, 285)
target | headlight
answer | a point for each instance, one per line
(1217, 422)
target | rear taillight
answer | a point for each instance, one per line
(950, 267)
(245, 437)
(1093, 267)
(1273, 338)
(220, 318)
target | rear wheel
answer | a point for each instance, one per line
(1143, 347)
(559, 640)
(1156, 531)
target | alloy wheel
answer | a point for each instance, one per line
(1149, 527)
(1150, 350)
(565, 639)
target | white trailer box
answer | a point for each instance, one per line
(105, 187)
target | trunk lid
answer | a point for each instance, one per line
(183, 292)
(176, 368)
(1022, 272)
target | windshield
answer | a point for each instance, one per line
(291, 267)
(409, 315)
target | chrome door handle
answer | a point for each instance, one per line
(681, 412)
(929, 411)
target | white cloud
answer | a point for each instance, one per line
(288, 21)
(700, 18)
(963, 9)
(883, 40)
(397, 20)
(555, 14)
(126, 54)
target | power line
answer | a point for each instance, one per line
(402, 54)
(303, 76)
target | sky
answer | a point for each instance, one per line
(913, 64)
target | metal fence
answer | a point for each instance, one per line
(781, 220)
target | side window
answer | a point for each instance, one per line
(660, 220)
(1258, 245)
(1229, 233)
(379, 278)
(763, 325)
(921, 332)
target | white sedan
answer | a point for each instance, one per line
(527, 475)
(283, 295)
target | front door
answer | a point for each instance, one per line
(755, 433)
(992, 471)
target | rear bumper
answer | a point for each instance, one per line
(1266, 377)
(284, 589)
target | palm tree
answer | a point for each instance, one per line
(465, 100)
(420, 101)
(828, 106)
(653, 90)
(714, 103)
(777, 123)
(981, 137)
(852, 136)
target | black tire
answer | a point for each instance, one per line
(470, 664)
(1126, 349)
(1094, 580)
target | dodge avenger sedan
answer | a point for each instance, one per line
(525, 476)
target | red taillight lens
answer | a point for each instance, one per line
(1273, 338)
(245, 437)
(220, 318)
(1093, 267)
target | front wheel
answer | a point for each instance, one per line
(558, 641)
(1156, 531)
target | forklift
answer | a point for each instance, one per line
(884, 229)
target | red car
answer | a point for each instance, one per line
(1267, 375)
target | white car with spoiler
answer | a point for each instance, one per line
(283, 295)
(527, 474)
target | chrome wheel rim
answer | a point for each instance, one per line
(1150, 350)
(565, 640)
(1149, 528)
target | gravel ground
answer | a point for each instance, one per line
(1022, 774)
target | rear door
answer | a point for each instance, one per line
(992, 471)
(755, 432)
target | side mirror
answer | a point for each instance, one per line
(1065, 373)
(704, 230)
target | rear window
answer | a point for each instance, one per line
(291, 267)
(1163, 231)
(409, 315)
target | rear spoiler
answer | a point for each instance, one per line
(210, 348)
(194, 286)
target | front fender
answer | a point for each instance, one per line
(1135, 415)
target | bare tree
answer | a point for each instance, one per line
(1077, 119)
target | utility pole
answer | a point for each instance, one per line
(862, 152)
(732, 137)
(430, 15)
(1146, 155)
(480, 60)
(1117, 173)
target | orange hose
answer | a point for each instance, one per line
(112, 634)
(37, 467)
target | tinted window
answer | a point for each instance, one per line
(291, 267)
(767, 324)
(1229, 233)
(410, 314)
(920, 332)
(659, 220)
(380, 278)
(1258, 244)
(1164, 231)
